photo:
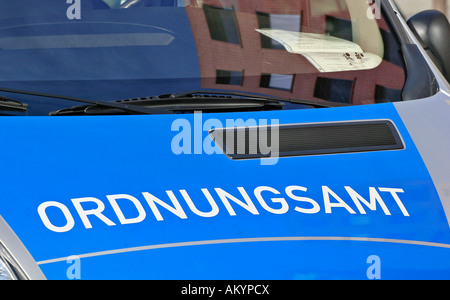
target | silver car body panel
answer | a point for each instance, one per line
(16, 255)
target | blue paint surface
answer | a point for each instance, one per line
(79, 157)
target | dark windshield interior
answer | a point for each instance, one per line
(120, 49)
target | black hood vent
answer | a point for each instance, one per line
(307, 139)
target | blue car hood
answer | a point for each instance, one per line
(113, 192)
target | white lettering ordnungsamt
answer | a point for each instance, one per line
(268, 198)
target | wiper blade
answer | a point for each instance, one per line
(205, 101)
(12, 104)
(212, 104)
(230, 95)
(115, 105)
(206, 104)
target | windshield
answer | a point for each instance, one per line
(328, 50)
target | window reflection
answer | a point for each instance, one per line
(383, 94)
(277, 81)
(270, 69)
(163, 46)
(335, 90)
(277, 21)
(222, 24)
(339, 27)
(229, 77)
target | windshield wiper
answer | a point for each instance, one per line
(183, 104)
(205, 101)
(112, 105)
(12, 104)
(228, 95)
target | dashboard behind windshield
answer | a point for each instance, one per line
(330, 50)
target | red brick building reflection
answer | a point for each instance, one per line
(233, 55)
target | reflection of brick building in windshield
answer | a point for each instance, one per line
(233, 55)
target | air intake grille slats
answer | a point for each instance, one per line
(307, 139)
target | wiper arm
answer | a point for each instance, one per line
(196, 100)
(227, 94)
(205, 101)
(115, 105)
(12, 104)
(206, 104)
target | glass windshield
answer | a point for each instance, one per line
(327, 50)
